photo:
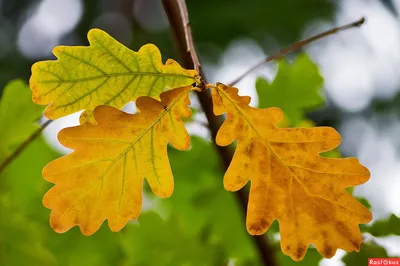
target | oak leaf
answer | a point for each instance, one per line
(295, 89)
(290, 181)
(104, 73)
(103, 177)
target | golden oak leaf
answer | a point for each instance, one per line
(103, 177)
(290, 181)
(104, 73)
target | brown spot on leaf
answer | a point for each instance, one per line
(239, 126)
(302, 146)
(300, 251)
(320, 216)
(328, 252)
(278, 144)
(250, 149)
(346, 233)
(264, 223)
(258, 228)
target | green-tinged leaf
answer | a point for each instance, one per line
(295, 89)
(390, 226)
(104, 73)
(17, 115)
(367, 250)
(312, 258)
(173, 243)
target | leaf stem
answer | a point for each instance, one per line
(297, 45)
(22, 146)
(178, 17)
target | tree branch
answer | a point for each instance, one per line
(178, 17)
(22, 146)
(296, 46)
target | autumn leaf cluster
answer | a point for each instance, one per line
(102, 179)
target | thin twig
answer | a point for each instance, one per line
(177, 14)
(188, 34)
(296, 46)
(22, 146)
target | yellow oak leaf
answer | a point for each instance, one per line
(290, 181)
(103, 177)
(104, 73)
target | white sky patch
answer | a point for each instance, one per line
(239, 57)
(58, 17)
(51, 131)
(359, 64)
(335, 260)
(391, 244)
(372, 141)
(50, 21)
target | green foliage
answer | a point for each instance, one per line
(175, 244)
(22, 215)
(202, 224)
(74, 249)
(312, 258)
(208, 207)
(363, 201)
(17, 115)
(389, 226)
(295, 89)
(367, 250)
(20, 238)
(194, 228)
(188, 234)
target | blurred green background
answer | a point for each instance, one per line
(355, 72)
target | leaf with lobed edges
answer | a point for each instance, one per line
(104, 73)
(103, 177)
(290, 181)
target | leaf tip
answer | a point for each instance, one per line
(86, 230)
(96, 33)
(260, 83)
(258, 227)
(49, 112)
(164, 192)
(116, 225)
(57, 51)
(57, 225)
